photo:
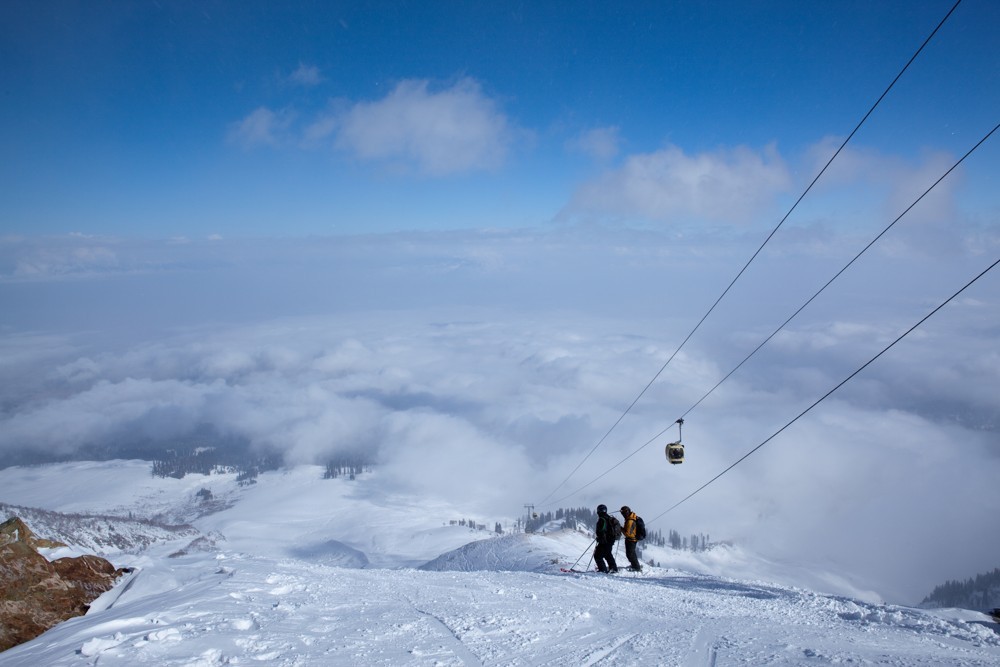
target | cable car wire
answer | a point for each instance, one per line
(608, 471)
(795, 314)
(842, 270)
(827, 394)
(757, 252)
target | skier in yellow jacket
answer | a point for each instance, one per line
(628, 531)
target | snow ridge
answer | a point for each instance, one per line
(510, 553)
(239, 609)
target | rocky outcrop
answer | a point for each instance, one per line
(36, 594)
(15, 530)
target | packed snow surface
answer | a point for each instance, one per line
(257, 598)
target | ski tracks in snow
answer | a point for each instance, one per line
(295, 614)
(704, 650)
(461, 652)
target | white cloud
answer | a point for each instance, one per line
(602, 143)
(263, 127)
(104, 409)
(67, 260)
(306, 75)
(453, 130)
(728, 185)
(414, 128)
(875, 188)
(501, 373)
(319, 130)
(78, 257)
(462, 457)
(831, 335)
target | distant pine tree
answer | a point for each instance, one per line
(981, 593)
(585, 517)
(347, 465)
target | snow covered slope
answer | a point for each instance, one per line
(515, 553)
(97, 534)
(118, 488)
(242, 609)
(287, 513)
(289, 585)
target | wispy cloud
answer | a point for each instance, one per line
(417, 127)
(51, 261)
(75, 257)
(883, 186)
(439, 132)
(602, 143)
(263, 127)
(306, 75)
(669, 185)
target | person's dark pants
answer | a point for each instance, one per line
(630, 554)
(603, 553)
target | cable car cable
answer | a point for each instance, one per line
(827, 394)
(799, 310)
(842, 270)
(758, 251)
(608, 471)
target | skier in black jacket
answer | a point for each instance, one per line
(607, 531)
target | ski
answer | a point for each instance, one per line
(575, 571)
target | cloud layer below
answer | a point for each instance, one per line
(484, 366)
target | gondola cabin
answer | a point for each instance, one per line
(675, 453)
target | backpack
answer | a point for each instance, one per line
(616, 529)
(640, 528)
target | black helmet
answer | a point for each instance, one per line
(626, 510)
(602, 509)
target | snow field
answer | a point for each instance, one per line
(320, 572)
(229, 610)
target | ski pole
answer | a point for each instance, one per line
(584, 551)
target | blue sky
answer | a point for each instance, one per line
(165, 119)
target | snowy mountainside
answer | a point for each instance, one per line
(295, 513)
(289, 513)
(117, 488)
(336, 572)
(514, 553)
(538, 552)
(98, 534)
(231, 608)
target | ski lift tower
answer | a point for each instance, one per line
(530, 511)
